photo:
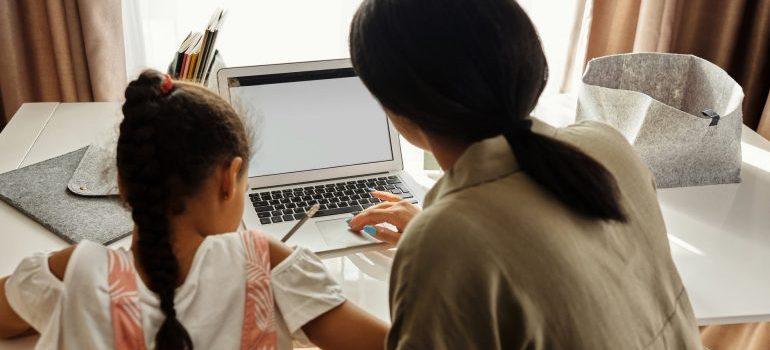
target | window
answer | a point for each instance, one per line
(254, 32)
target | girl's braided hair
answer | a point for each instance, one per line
(172, 137)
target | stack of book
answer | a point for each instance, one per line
(196, 55)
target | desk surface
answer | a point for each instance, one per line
(720, 240)
(720, 235)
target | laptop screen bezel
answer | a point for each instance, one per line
(396, 164)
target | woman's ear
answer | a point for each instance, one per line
(409, 130)
(231, 174)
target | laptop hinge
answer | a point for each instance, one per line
(329, 179)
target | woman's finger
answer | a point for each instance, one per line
(381, 205)
(372, 216)
(386, 196)
(382, 233)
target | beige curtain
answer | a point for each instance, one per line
(764, 121)
(60, 50)
(751, 336)
(733, 34)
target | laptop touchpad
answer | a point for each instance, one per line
(337, 235)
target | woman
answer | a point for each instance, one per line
(535, 238)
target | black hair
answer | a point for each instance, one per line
(470, 70)
(171, 138)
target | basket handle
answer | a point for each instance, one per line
(710, 114)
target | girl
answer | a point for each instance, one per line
(181, 159)
(535, 238)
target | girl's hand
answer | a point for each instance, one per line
(393, 210)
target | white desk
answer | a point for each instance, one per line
(720, 234)
(720, 240)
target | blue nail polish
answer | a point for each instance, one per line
(348, 220)
(370, 230)
(371, 189)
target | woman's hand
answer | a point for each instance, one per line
(393, 210)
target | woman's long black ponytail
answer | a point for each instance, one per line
(470, 70)
(576, 179)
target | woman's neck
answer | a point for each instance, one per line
(447, 151)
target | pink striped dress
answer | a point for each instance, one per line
(258, 331)
(230, 299)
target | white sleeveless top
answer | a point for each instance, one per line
(75, 313)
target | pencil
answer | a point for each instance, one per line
(309, 214)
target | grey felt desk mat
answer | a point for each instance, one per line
(40, 192)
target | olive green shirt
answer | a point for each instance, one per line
(496, 262)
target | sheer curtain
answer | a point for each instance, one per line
(254, 32)
(274, 31)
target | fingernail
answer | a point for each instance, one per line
(348, 220)
(371, 189)
(370, 230)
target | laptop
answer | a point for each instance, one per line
(318, 137)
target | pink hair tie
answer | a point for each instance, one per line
(167, 84)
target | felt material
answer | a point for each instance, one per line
(97, 173)
(656, 101)
(40, 192)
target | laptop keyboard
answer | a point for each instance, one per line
(335, 198)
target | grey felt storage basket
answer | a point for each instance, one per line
(682, 113)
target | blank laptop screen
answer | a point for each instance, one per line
(311, 120)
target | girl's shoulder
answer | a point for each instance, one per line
(89, 261)
(87, 264)
(86, 267)
(235, 243)
(221, 253)
(37, 294)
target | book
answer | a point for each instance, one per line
(188, 56)
(186, 60)
(216, 63)
(195, 55)
(212, 31)
(215, 27)
(176, 64)
(197, 68)
(207, 38)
